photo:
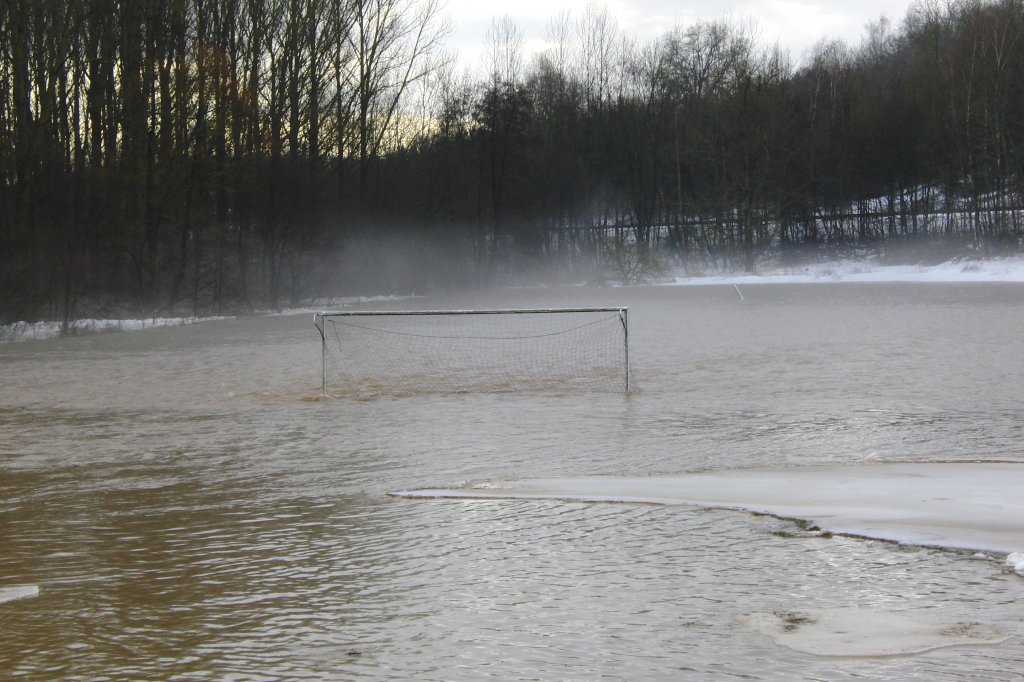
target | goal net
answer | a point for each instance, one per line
(371, 353)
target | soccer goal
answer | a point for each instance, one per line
(367, 353)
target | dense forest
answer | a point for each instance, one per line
(212, 155)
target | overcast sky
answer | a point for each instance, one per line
(794, 24)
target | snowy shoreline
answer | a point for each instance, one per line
(41, 331)
(993, 270)
(38, 331)
(1008, 270)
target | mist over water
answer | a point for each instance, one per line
(190, 508)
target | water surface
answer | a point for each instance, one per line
(191, 510)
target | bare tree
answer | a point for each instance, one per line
(391, 47)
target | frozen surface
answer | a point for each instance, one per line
(962, 505)
(18, 592)
(867, 632)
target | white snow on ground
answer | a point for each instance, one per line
(960, 270)
(344, 303)
(348, 301)
(861, 270)
(955, 505)
(31, 331)
(34, 331)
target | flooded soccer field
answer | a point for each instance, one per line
(189, 507)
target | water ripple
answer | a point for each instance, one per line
(188, 513)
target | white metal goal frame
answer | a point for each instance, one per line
(320, 320)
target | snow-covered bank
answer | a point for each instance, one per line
(1009, 269)
(964, 506)
(344, 303)
(994, 270)
(31, 331)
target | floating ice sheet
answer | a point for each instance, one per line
(18, 592)
(866, 632)
(956, 505)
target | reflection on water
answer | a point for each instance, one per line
(190, 510)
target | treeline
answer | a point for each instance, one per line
(201, 154)
(225, 154)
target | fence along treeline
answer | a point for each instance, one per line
(706, 145)
(211, 154)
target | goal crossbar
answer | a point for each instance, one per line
(317, 317)
(321, 319)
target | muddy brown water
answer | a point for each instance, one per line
(190, 509)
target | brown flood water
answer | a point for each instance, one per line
(191, 510)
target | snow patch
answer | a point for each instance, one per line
(326, 304)
(1009, 269)
(32, 331)
(35, 331)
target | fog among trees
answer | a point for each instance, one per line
(220, 155)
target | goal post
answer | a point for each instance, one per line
(404, 352)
